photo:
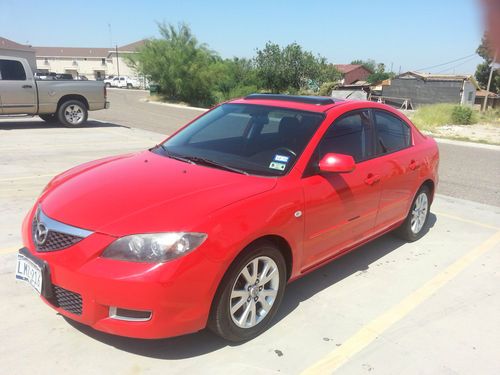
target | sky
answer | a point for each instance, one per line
(407, 35)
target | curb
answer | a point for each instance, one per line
(175, 105)
(467, 144)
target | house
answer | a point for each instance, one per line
(352, 73)
(10, 48)
(426, 88)
(493, 99)
(94, 63)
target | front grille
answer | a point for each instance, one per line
(67, 300)
(55, 240)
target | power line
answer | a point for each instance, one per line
(456, 66)
(446, 63)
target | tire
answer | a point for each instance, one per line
(129, 86)
(50, 118)
(72, 113)
(416, 222)
(256, 296)
(108, 85)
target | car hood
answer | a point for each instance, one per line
(144, 193)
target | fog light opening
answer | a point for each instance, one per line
(129, 315)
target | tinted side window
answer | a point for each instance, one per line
(11, 71)
(392, 133)
(349, 135)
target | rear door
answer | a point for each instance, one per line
(17, 88)
(400, 162)
(341, 208)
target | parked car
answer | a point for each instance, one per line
(81, 77)
(208, 227)
(63, 101)
(64, 76)
(122, 82)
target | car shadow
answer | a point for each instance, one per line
(34, 124)
(204, 342)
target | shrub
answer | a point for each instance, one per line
(462, 115)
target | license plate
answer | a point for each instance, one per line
(29, 272)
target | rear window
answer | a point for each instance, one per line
(393, 134)
(11, 70)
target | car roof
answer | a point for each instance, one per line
(305, 103)
(311, 103)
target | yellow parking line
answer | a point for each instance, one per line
(466, 220)
(9, 250)
(368, 333)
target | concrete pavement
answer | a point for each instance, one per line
(389, 307)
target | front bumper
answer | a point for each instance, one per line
(178, 293)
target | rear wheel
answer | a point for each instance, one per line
(415, 223)
(129, 85)
(50, 118)
(72, 113)
(249, 294)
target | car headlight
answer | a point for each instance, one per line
(154, 248)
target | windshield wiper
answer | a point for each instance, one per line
(198, 160)
(174, 156)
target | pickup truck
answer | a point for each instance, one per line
(122, 81)
(67, 102)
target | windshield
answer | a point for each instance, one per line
(245, 138)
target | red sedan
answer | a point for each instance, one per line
(207, 228)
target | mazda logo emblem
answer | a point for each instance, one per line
(41, 233)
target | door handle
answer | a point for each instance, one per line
(414, 165)
(27, 87)
(372, 179)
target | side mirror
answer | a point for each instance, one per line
(337, 163)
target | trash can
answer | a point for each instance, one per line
(154, 88)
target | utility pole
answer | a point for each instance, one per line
(117, 62)
(492, 69)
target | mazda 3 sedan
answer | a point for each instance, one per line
(207, 228)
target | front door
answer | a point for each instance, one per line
(341, 208)
(17, 89)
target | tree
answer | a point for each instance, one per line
(290, 69)
(369, 64)
(483, 70)
(179, 64)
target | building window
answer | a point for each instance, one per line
(103, 61)
(46, 61)
(469, 98)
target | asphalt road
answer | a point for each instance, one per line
(471, 173)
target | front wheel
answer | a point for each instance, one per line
(249, 294)
(415, 223)
(72, 113)
(108, 85)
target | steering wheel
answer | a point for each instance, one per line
(286, 149)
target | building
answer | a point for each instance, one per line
(352, 73)
(426, 88)
(93, 63)
(493, 99)
(10, 48)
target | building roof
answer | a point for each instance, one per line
(84, 52)
(346, 68)
(132, 47)
(9, 44)
(482, 94)
(440, 77)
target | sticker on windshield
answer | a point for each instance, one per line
(281, 158)
(278, 166)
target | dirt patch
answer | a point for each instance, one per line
(482, 133)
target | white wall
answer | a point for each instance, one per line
(468, 94)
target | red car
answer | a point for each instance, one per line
(207, 228)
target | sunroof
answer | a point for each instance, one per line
(317, 100)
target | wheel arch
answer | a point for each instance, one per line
(431, 186)
(69, 97)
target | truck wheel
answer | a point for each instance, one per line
(129, 85)
(50, 118)
(108, 85)
(72, 113)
